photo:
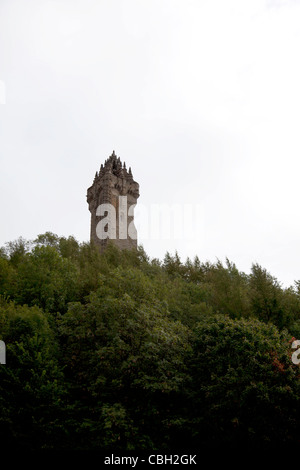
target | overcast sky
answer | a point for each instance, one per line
(200, 97)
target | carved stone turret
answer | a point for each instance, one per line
(111, 200)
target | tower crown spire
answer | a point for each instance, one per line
(114, 165)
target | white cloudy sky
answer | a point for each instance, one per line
(200, 97)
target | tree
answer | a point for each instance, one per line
(266, 297)
(31, 382)
(46, 279)
(16, 250)
(227, 289)
(245, 386)
(126, 360)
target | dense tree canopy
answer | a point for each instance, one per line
(118, 351)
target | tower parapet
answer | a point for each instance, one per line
(111, 200)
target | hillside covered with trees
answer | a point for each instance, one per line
(120, 351)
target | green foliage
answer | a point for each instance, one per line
(46, 279)
(246, 389)
(127, 355)
(118, 351)
(266, 297)
(16, 250)
(8, 277)
(31, 382)
(228, 290)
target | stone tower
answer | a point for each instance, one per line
(111, 201)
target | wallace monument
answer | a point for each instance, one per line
(112, 198)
